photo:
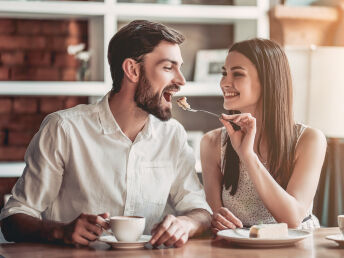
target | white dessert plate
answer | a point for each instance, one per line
(241, 237)
(111, 240)
(339, 238)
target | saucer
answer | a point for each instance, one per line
(339, 238)
(111, 240)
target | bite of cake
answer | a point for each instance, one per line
(278, 230)
(183, 103)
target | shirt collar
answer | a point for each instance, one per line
(106, 118)
(109, 124)
(149, 130)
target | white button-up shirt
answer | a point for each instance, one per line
(81, 161)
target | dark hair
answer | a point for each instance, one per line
(277, 115)
(134, 41)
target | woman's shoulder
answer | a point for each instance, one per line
(311, 138)
(212, 138)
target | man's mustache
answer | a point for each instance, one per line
(172, 87)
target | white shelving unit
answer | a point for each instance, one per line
(103, 18)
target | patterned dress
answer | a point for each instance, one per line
(246, 204)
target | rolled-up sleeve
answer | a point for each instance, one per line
(39, 185)
(187, 192)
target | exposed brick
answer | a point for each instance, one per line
(22, 42)
(7, 26)
(25, 105)
(28, 27)
(47, 74)
(73, 101)
(35, 74)
(12, 58)
(55, 27)
(4, 73)
(68, 74)
(38, 58)
(65, 60)
(61, 43)
(5, 105)
(12, 153)
(21, 73)
(51, 104)
(21, 122)
(77, 28)
(20, 138)
(2, 137)
(4, 120)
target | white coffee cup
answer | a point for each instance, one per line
(127, 228)
(341, 223)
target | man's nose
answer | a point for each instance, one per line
(179, 79)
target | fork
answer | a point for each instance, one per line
(235, 126)
(204, 111)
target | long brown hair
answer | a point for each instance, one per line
(277, 114)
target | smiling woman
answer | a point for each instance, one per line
(268, 170)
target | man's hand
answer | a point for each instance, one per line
(84, 229)
(172, 231)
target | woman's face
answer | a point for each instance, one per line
(240, 84)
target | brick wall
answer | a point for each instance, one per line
(37, 49)
(34, 50)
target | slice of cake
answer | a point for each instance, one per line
(183, 103)
(279, 230)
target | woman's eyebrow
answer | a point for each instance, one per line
(237, 67)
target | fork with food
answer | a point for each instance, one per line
(182, 102)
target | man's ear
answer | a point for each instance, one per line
(131, 70)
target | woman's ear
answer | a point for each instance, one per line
(131, 70)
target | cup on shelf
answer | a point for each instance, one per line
(127, 228)
(341, 223)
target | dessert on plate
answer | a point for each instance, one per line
(278, 230)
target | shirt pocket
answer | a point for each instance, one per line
(156, 180)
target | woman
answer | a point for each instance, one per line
(267, 171)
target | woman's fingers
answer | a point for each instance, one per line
(223, 221)
(228, 126)
(217, 224)
(230, 217)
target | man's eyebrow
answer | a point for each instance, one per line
(169, 60)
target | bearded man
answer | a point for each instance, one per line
(120, 156)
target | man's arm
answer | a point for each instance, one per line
(85, 228)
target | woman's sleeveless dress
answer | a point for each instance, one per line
(246, 204)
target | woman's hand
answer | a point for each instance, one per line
(224, 219)
(243, 139)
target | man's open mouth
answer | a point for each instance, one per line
(169, 93)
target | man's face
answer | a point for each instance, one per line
(160, 79)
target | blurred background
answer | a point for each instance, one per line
(53, 56)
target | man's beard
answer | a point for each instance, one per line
(150, 102)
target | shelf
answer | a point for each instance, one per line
(34, 88)
(104, 17)
(186, 13)
(129, 11)
(46, 88)
(51, 9)
(200, 89)
(11, 169)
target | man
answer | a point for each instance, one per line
(116, 155)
